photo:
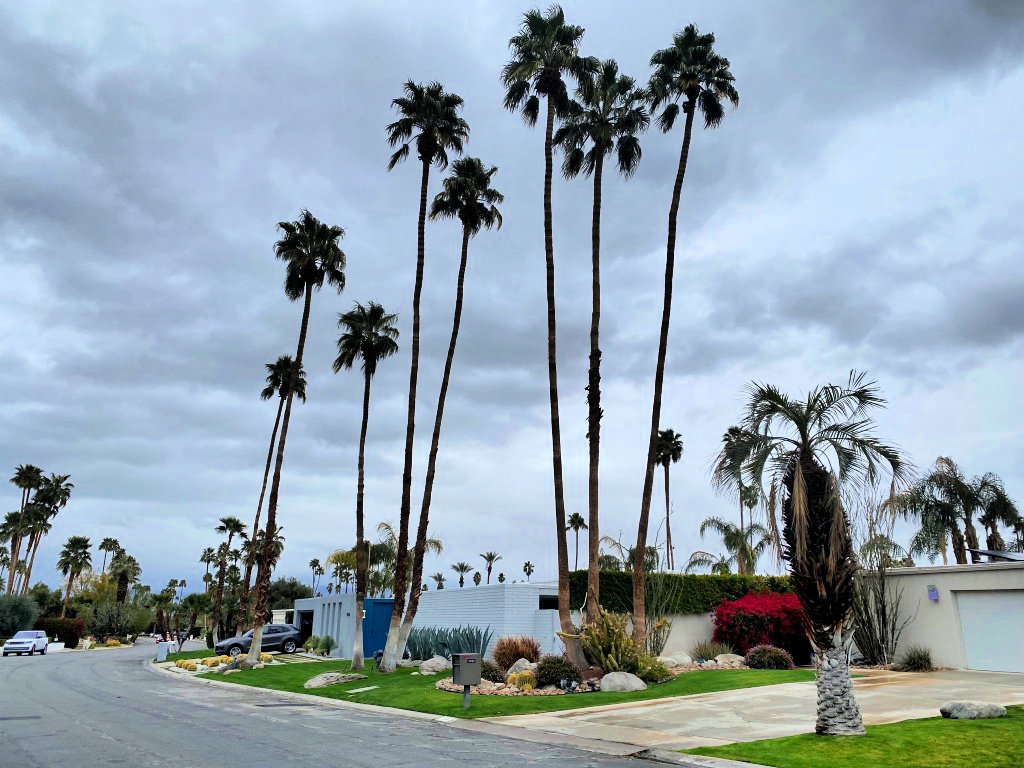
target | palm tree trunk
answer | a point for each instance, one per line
(33, 545)
(267, 556)
(594, 406)
(218, 598)
(16, 544)
(838, 713)
(669, 555)
(576, 567)
(67, 594)
(573, 648)
(970, 534)
(739, 565)
(420, 547)
(639, 608)
(250, 560)
(959, 550)
(390, 659)
(357, 646)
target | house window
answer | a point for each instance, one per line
(548, 603)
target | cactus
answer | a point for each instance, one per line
(519, 679)
(608, 645)
(526, 688)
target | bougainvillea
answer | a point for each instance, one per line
(767, 618)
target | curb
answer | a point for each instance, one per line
(691, 761)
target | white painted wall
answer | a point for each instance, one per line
(333, 615)
(687, 631)
(941, 625)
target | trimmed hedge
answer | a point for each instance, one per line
(686, 593)
(67, 631)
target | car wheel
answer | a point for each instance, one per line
(43, 651)
(5, 655)
(289, 646)
(234, 651)
(31, 651)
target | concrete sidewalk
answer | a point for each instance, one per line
(765, 713)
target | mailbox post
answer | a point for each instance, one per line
(466, 672)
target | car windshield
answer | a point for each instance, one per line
(248, 634)
(24, 635)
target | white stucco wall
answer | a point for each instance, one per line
(687, 631)
(936, 624)
(333, 615)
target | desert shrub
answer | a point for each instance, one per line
(111, 618)
(650, 670)
(768, 657)
(113, 642)
(916, 658)
(491, 671)
(511, 648)
(311, 643)
(879, 619)
(469, 639)
(519, 679)
(16, 613)
(768, 618)
(326, 645)
(551, 670)
(67, 631)
(607, 643)
(425, 642)
(706, 650)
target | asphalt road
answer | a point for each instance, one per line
(104, 708)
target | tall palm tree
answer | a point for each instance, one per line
(607, 115)
(543, 51)
(688, 71)
(37, 522)
(282, 375)
(314, 566)
(27, 478)
(997, 509)
(811, 449)
(745, 546)
(108, 546)
(309, 248)
(490, 558)
(53, 495)
(126, 570)
(5, 562)
(577, 523)
(73, 559)
(728, 476)
(369, 336)
(428, 117)
(208, 558)
(462, 569)
(230, 526)
(528, 569)
(669, 451)
(466, 195)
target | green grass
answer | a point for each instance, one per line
(931, 743)
(200, 654)
(407, 691)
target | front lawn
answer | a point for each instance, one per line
(931, 743)
(203, 653)
(407, 691)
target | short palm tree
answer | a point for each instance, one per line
(669, 452)
(108, 546)
(282, 375)
(369, 336)
(309, 248)
(997, 508)
(27, 478)
(576, 523)
(230, 526)
(543, 52)
(73, 559)
(438, 579)
(689, 71)
(528, 569)
(468, 197)
(490, 558)
(607, 115)
(807, 451)
(428, 117)
(720, 565)
(462, 569)
(745, 546)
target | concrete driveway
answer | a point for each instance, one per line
(764, 713)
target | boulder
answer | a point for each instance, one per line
(728, 659)
(434, 665)
(332, 678)
(668, 661)
(485, 685)
(523, 665)
(622, 681)
(971, 710)
(231, 671)
(682, 660)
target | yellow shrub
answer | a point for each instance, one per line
(525, 687)
(191, 667)
(225, 659)
(113, 643)
(266, 658)
(213, 661)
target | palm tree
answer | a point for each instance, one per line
(53, 494)
(429, 118)
(312, 257)
(27, 478)
(314, 566)
(490, 558)
(108, 546)
(208, 558)
(126, 570)
(669, 451)
(282, 375)
(528, 569)
(36, 519)
(466, 195)
(688, 70)
(74, 558)
(462, 569)
(576, 523)
(608, 113)
(369, 336)
(544, 50)
(5, 561)
(745, 546)
(720, 565)
(997, 509)
(811, 449)
(438, 579)
(231, 526)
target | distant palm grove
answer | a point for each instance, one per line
(804, 472)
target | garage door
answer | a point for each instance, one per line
(992, 625)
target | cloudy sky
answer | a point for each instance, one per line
(861, 209)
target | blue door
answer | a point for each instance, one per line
(375, 624)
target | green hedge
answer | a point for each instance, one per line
(680, 593)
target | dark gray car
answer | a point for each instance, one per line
(276, 637)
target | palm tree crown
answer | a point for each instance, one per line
(466, 194)
(75, 557)
(428, 117)
(745, 546)
(281, 375)
(691, 71)
(311, 254)
(670, 447)
(370, 336)
(462, 569)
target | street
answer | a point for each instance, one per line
(104, 708)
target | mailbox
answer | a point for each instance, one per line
(466, 668)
